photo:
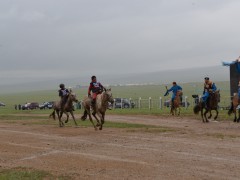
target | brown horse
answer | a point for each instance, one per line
(100, 108)
(212, 104)
(68, 107)
(233, 108)
(176, 104)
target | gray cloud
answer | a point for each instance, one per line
(63, 38)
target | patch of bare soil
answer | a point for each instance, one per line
(191, 150)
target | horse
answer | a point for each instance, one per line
(212, 104)
(233, 108)
(68, 107)
(101, 105)
(176, 104)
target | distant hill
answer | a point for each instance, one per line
(216, 73)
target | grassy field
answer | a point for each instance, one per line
(133, 92)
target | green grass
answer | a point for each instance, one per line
(133, 92)
(24, 174)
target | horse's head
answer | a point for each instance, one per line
(108, 96)
(73, 97)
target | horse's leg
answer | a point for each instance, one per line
(71, 112)
(235, 115)
(60, 119)
(101, 120)
(103, 116)
(205, 115)
(179, 109)
(84, 116)
(98, 122)
(202, 115)
(216, 114)
(238, 119)
(67, 117)
(90, 118)
(171, 111)
(210, 116)
(52, 115)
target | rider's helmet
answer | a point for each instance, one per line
(206, 78)
(93, 77)
(61, 85)
(174, 83)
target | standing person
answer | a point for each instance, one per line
(209, 86)
(96, 88)
(238, 107)
(175, 88)
(63, 93)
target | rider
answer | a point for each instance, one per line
(175, 88)
(63, 93)
(96, 88)
(209, 86)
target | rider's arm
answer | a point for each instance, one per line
(60, 93)
(89, 89)
(214, 88)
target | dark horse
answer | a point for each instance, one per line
(68, 107)
(100, 108)
(176, 104)
(233, 108)
(212, 104)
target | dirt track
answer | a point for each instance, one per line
(189, 149)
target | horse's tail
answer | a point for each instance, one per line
(84, 116)
(52, 115)
(196, 109)
(230, 111)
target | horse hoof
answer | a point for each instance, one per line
(97, 125)
(100, 128)
(66, 121)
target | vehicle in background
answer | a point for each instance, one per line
(123, 103)
(2, 104)
(167, 103)
(33, 105)
(46, 105)
(50, 104)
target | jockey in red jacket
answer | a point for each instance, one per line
(96, 88)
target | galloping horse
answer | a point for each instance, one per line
(68, 107)
(100, 108)
(176, 104)
(233, 108)
(212, 104)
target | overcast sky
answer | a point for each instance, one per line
(49, 38)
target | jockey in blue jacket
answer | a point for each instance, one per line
(63, 93)
(175, 88)
(208, 87)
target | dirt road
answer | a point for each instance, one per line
(188, 149)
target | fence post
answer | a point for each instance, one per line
(139, 103)
(130, 100)
(185, 101)
(149, 103)
(114, 103)
(160, 103)
(121, 103)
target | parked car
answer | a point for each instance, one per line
(167, 103)
(33, 105)
(123, 103)
(46, 105)
(25, 106)
(2, 104)
(50, 104)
